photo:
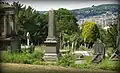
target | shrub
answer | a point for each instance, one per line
(37, 55)
(24, 57)
(109, 65)
(66, 60)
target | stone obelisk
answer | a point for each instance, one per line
(52, 47)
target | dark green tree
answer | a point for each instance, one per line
(66, 23)
(112, 36)
(30, 20)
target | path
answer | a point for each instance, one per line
(27, 68)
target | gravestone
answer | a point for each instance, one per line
(52, 44)
(15, 44)
(99, 51)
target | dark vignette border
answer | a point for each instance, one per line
(63, 1)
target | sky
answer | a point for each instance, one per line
(45, 5)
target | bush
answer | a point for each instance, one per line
(66, 60)
(25, 58)
(109, 65)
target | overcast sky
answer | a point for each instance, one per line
(45, 5)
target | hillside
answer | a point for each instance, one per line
(94, 10)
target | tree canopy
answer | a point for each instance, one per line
(30, 20)
(66, 23)
(90, 32)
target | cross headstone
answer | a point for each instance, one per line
(52, 44)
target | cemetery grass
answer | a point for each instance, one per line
(67, 61)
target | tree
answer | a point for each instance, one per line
(18, 7)
(112, 36)
(33, 22)
(90, 32)
(66, 22)
(103, 35)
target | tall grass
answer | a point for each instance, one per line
(23, 57)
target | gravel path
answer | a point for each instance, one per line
(27, 68)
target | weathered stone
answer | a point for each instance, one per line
(99, 48)
(5, 26)
(8, 36)
(15, 45)
(99, 51)
(52, 43)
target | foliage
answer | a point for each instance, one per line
(103, 35)
(66, 25)
(25, 58)
(90, 32)
(66, 60)
(109, 51)
(112, 36)
(29, 20)
(109, 65)
(81, 66)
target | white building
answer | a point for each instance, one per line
(103, 20)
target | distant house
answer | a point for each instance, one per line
(104, 20)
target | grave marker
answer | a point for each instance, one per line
(99, 51)
(52, 43)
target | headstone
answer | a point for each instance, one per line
(15, 45)
(99, 48)
(99, 51)
(52, 44)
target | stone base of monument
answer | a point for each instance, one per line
(13, 44)
(51, 51)
(50, 57)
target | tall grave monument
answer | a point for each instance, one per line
(8, 36)
(52, 44)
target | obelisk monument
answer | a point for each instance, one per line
(52, 46)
